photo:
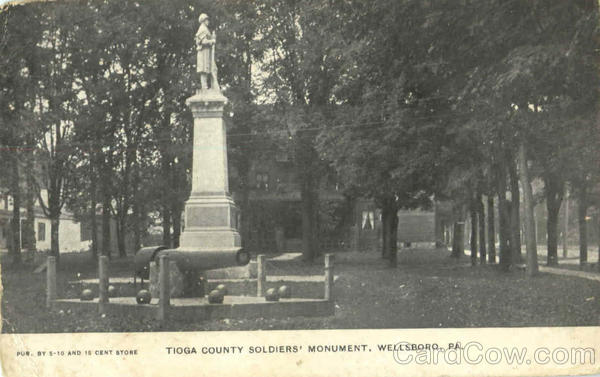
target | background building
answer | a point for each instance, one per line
(69, 231)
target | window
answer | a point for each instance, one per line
(41, 233)
(85, 231)
(368, 220)
(262, 181)
(24, 238)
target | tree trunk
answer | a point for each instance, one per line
(106, 246)
(389, 219)
(121, 231)
(554, 191)
(15, 249)
(458, 239)
(138, 221)
(491, 230)
(308, 218)
(137, 206)
(393, 245)
(137, 234)
(106, 204)
(92, 214)
(29, 224)
(54, 246)
(504, 233)
(54, 216)
(385, 232)
(481, 218)
(515, 213)
(473, 241)
(566, 229)
(582, 204)
(552, 233)
(176, 216)
(245, 224)
(29, 229)
(531, 244)
(166, 223)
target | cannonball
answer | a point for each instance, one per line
(242, 257)
(284, 291)
(215, 296)
(143, 297)
(272, 295)
(112, 291)
(222, 288)
(87, 295)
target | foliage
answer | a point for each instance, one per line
(403, 101)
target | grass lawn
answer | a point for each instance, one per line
(427, 290)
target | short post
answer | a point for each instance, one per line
(261, 278)
(164, 289)
(329, 259)
(50, 281)
(102, 283)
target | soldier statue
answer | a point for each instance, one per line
(205, 47)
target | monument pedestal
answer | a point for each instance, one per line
(210, 239)
(210, 213)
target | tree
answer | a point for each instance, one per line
(249, 124)
(301, 69)
(535, 80)
(169, 38)
(92, 134)
(390, 141)
(17, 103)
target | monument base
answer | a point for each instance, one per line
(211, 223)
(209, 241)
(206, 259)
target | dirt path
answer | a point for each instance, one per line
(565, 272)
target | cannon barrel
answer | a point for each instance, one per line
(189, 259)
(142, 259)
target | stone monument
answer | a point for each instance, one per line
(210, 239)
(210, 214)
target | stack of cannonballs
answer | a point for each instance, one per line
(87, 295)
(274, 294)
(217, 295)
(143, 297)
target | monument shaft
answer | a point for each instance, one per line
(209, 174)
(210, 213)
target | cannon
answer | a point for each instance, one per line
(189, 261)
